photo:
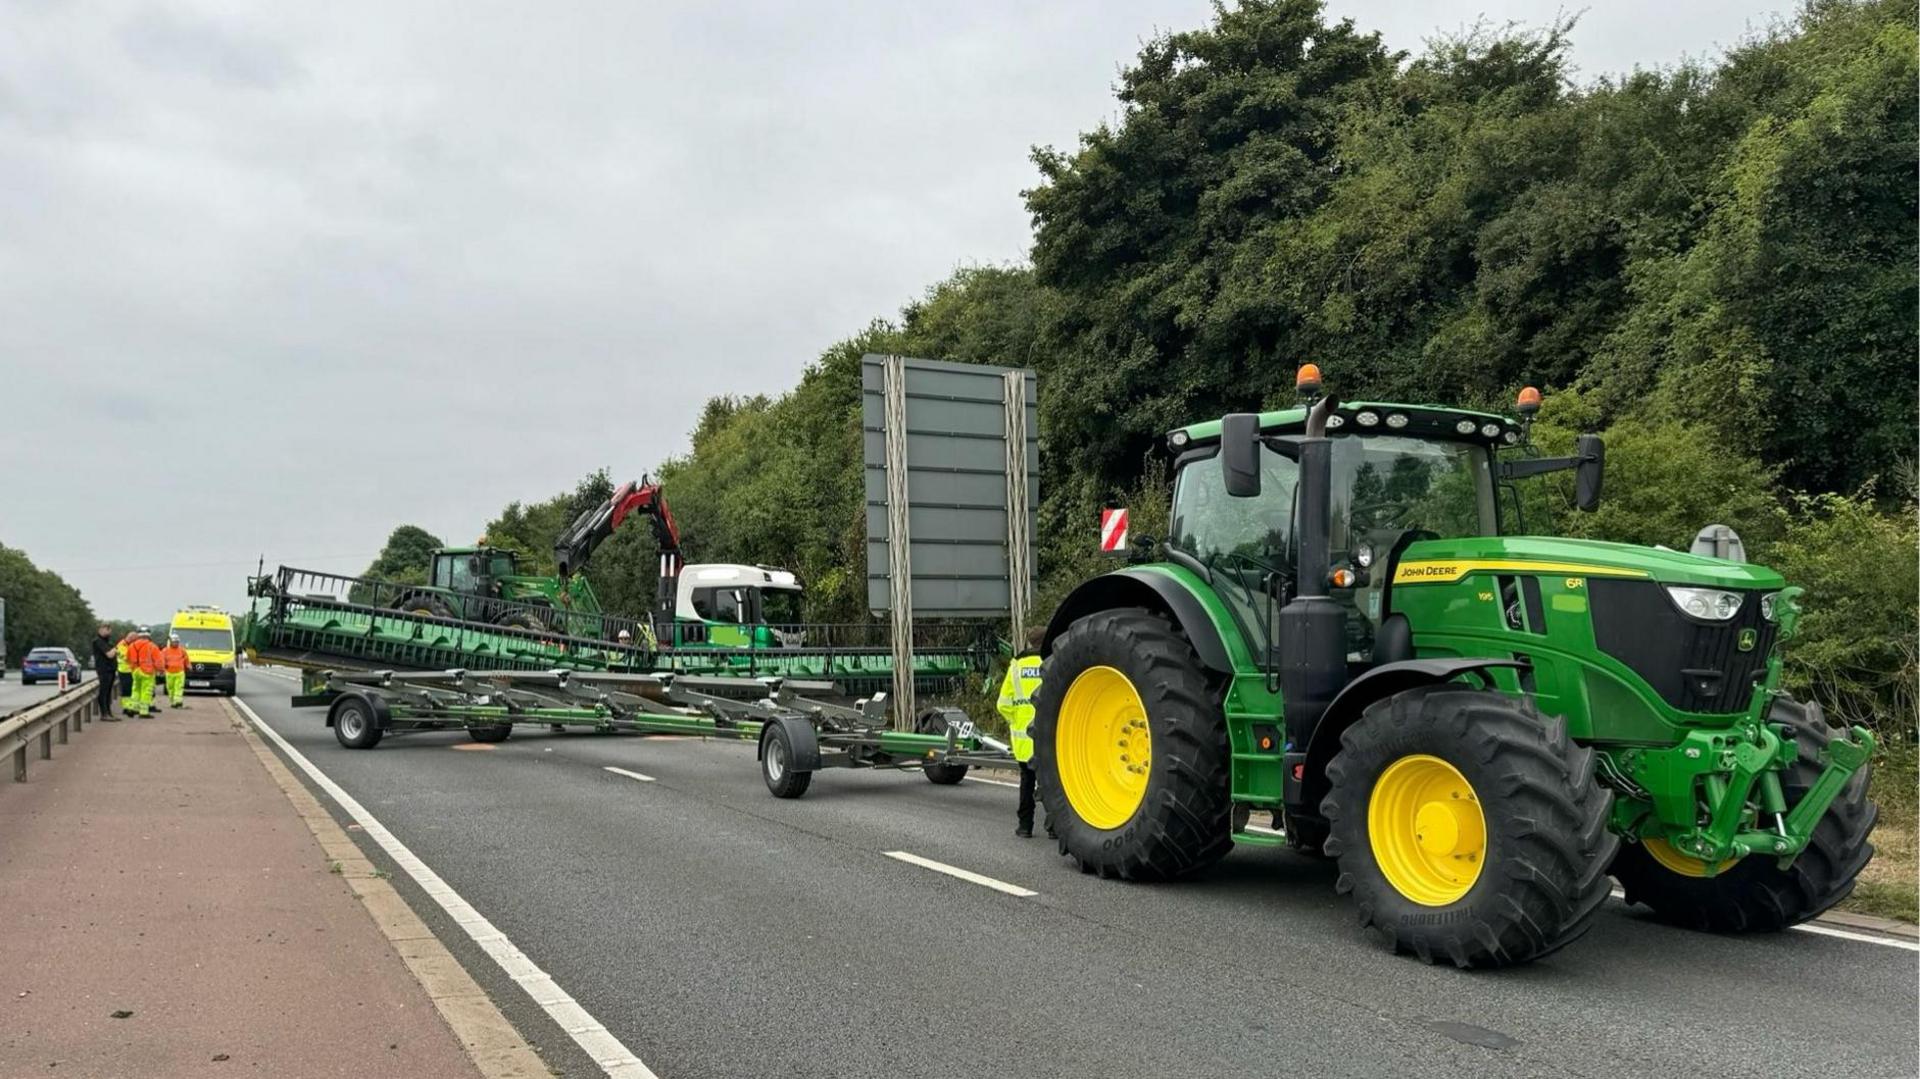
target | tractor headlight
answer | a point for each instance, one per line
(1766, 605)
(1709, 603)
(1367, 419)
(1363, 555)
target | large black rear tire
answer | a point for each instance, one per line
(1531, 886)
(1182, 822)
(1756, 895)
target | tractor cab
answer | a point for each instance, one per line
(1399, 475)
(473, 571)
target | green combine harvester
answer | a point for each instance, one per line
(1478, 727)
(479, 611)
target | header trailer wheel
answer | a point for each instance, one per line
(788, 755)
(356, 722)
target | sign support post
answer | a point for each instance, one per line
(899, 541)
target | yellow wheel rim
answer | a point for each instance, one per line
(1428, 834)
(1686, 865)
(1103, 747)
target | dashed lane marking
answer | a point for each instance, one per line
(630, 775)
(967, 875)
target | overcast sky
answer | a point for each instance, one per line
(275, 277)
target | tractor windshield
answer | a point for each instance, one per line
(1385, 486)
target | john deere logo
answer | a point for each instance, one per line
(1747, 638)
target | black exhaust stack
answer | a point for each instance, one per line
(1312, 627)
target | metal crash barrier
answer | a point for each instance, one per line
(46, 722)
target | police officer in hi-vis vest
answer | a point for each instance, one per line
(1016, 704)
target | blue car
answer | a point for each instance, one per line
(45, 665)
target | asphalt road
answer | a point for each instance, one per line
(717, 931)
(14, 696)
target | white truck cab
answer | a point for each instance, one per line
(733, 594)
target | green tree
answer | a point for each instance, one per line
(1787, 325)
(1153, 232)
(1856, 649)
(406, 558)
(42, 609)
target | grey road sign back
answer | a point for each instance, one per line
(957, 487)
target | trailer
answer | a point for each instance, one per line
(382, 668)
(798, 726)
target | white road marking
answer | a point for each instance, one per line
(1827, 931)
(995, 782)
(1864, 938)
(588, 1033)
(963, 874)
(629, 775)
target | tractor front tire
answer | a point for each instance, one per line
(1130, 749)
(1468, 827)
(1755, 894)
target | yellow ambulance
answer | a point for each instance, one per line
(207, 634)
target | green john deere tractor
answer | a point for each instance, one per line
(468, 583)
(1479, 728)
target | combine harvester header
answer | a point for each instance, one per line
(484, 646)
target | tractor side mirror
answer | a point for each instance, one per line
(1240, 454)
(1592, 456)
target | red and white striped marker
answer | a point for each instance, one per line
(1113, 530)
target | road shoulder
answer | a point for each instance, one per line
(170, 913)
(495, 1048)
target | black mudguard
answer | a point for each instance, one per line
(800, 735)
(377, 704)
(1376, 684)
(1133, 588)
